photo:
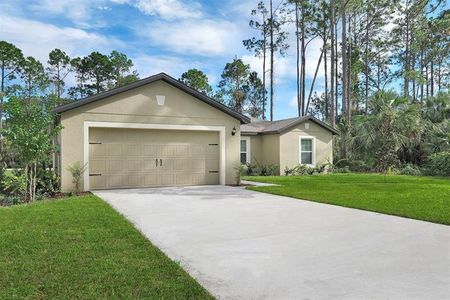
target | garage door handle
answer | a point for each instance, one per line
(160, 162)
(156, 162)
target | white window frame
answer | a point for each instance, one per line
(248, 152)
(98, 124)
(307, 137)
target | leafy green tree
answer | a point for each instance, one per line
(196, 79)
(255, 95)
(34, 78)
(99, 71)
(234, 83)
(59, 67)
(121, 69)
(80, 67)
(260, 44)
(30, 130)
(10, 59)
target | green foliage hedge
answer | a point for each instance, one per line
(438, 164)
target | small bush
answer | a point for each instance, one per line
(10, 200)
(13, 182)
(306, 170)
(409, 169)
(240, 170)
(77, 170)
(263, 170)
(438, 164)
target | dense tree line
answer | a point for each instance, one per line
(384, 61)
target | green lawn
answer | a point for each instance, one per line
(81, 248)
(422, 198)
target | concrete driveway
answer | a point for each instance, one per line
(241, 244)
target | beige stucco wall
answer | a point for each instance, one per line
(271, 149)
(289, 144)
(139, 106)
(256, 149)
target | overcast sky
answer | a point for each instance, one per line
(169, 36)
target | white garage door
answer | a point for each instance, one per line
(123, 158)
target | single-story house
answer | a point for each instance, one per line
(287, 143)
(159, 132)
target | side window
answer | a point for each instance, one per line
(306, 151)
(244, 151)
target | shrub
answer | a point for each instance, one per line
(240, 169)
(13, 182)
(409, 169)
(10, 200)
(77, 170)
(47, 182)
(263, 170)
(438, 164)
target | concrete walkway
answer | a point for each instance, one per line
(241, 244)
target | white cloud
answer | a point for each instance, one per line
(195, 37)
(38, 39)
(78, 11)
(166, 9)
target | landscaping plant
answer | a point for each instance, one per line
(77, 170)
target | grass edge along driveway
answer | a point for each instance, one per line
(415, 197)
(80, 247)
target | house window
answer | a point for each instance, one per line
(245, 150)
(306, 151)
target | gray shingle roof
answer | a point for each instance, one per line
(257, 126)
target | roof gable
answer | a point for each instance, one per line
(280, 126)
(161, 76)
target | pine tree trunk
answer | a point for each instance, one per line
(314, 81)
(344, 75)
(303, 64)
(366, 64)
(264, 70)
(1, 105)
(271, 61)
(299, 102)
(349, 59)
(406, 69)
(432, 78)
(332, 64)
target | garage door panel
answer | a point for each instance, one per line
(115, 166)
(181, 150)
(212, 149)
(115, 181)
(97, 166)
(150, 164)
(133, 150)
(97, 149)
(150, 150)
(98, 181)
(212, 164)
(167, 179)
(135, 165)
(198, 165)
(132, 158)
(165, 150)
(114, 149)
(183, 179)
(181, 164)
(212, 178)
(150, 180)
(132, 180)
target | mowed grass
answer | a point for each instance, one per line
(422, 198)
(81, 248)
